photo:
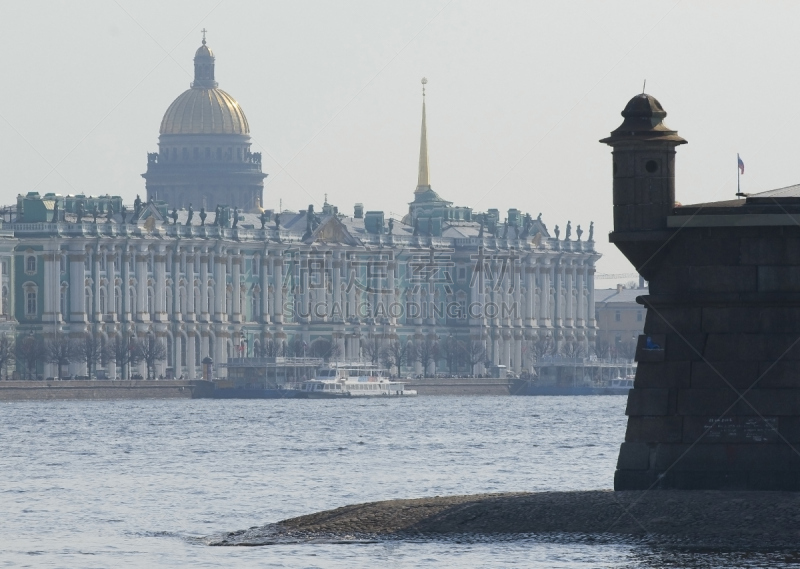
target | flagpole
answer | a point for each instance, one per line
(739, 168)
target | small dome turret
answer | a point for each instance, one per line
(644, 120)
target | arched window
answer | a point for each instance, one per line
(132, 300)
(118, 300)
(30, 264)
(31, 292)
(5, 301)
(150, 300)
(102, 301)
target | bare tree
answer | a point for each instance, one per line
(427, 352)
(299, 348)
(31, 351)
(603, 349)
(90, 349)
(151, 351)
(124, 354)
(269, 349)
(395, 354)
(371, 348)
(325, 348)
(573, 349)
(453, 351)
(474, 353)
(627, 349)
(539, 348)
(6, 352)
(60, 350)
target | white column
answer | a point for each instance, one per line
(580, 315)
(125, 275)
(530, 290)
(98, 317)
(265, 263)
(220, 284)
(51, 297)
(277, 283)
(177, 364)
(160, 284)
(141, 284)
(111, 278)
(236, 285)
(77, 282)
(544, 298)
(558, 314)
(590, 309)
(204, 308)
(191, 309)
(570, 308)
(191, 372)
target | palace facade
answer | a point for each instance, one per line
(234, 280)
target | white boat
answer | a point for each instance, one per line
(352, 380)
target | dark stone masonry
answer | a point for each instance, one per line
(716, 400)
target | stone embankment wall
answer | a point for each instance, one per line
(104, 389)
(460, 386)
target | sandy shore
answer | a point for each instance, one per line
(762, 520)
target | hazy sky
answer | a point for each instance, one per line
(518, 95)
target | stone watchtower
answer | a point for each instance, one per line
(204, 155)
(716, 400)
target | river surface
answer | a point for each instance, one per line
(141, 483)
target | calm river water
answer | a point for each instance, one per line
(137, 483)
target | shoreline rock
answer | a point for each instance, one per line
(715, 519)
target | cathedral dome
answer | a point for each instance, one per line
(204, 111)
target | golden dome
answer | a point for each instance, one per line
(204, 111)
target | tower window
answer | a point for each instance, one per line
(617, 316)
(30, 264)
(651, 166)
(30, 303)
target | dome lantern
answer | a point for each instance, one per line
(204, 67)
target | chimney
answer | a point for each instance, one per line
(619, 288)
(358, 211)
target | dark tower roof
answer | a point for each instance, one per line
(644, 118)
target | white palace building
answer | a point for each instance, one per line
(203, 269)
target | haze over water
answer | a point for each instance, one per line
(140, 483)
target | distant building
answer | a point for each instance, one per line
(204, 156)
(620, 319)
(225, 281)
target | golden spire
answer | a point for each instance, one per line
(423, 180)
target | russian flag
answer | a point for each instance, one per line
(741, 164)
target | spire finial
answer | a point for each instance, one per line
(204, 35)
(423, 177)
(644, 85)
